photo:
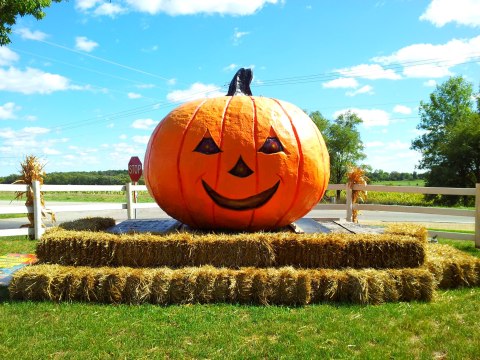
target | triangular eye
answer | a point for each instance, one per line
(207, 146)
(271, 146)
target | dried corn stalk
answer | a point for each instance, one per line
(31, 170)
(356, 176)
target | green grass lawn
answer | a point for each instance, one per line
(448, 327)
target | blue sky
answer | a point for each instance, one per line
(83, 88)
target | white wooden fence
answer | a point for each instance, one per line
(349, 206)
(130, 205)
(36, 209)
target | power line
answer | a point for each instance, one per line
(294, 80)
(105, 60)
(76, 66)
(279, 82)
(133, 112)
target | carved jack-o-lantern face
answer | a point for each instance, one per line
(236, 162)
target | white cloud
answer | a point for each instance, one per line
(14, 142)
(141, 139)
(397, 145)
(7, 111)
(109, 9)
(196, 91)
(122, 152)
(86, 4)
(391, 155)
(370, 117)
(35, 130)
(342, 83)
(132, 95)
(230, 67)
(172, 81)
(150, 49)
(433, 61)
(50, 151)
(31, 118)
(401, 109)
(32, 81)
(7, 56)
(238, 35)
(84, 44)
(464, 12)
(430, 83)
(402, 160)
(190, 7)
(374, 144)
(367, 89)
(145, 86)
(369, 71)
(123, 137)
(144, 124)
(27, 34)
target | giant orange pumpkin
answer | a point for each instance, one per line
(237, 162)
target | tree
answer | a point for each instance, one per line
(10, 9)
(320, 121)
(451, 142)
(344, 145)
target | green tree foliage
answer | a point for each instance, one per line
(343, 143)
(10, 9)
(450, 146)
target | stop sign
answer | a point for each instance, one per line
(135, 168)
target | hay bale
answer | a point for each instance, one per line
(408, 229)
(379, 251)
(207, 284)
(89, 224)
(451, 267)
(369, 286)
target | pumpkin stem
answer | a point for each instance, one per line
(240, 84)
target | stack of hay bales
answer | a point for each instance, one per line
(260, 268)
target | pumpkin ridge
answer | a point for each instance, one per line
(149, 153)
(179, 174)
(217, 175)
(299, 167)
(235, 128)
(255, 135)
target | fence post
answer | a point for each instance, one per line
(37, 210)
(477, 216)
(349, 202)
(130, 209)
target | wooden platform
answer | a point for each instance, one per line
(303, 225)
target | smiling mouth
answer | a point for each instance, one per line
(248, 203)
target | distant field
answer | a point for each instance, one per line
(418, 182)
(119, 197)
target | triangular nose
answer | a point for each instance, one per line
(241, 169)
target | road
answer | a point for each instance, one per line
(155, 213)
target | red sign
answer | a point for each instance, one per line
(135, 168)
